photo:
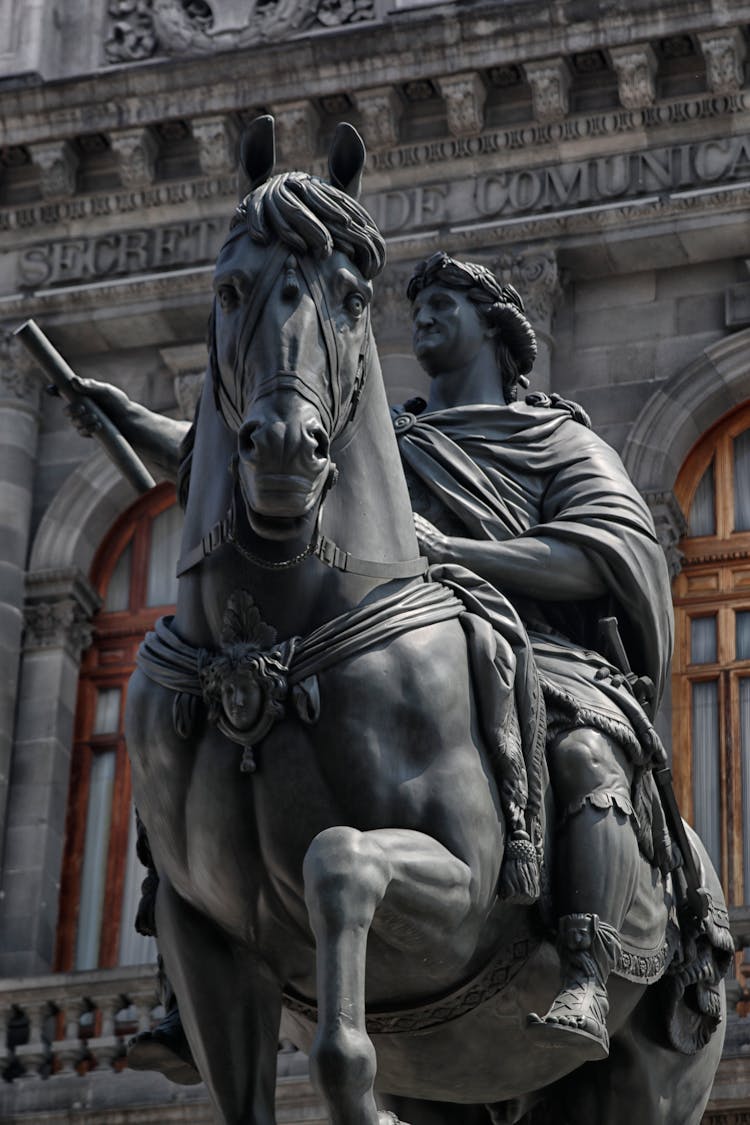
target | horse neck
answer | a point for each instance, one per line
(367, 513)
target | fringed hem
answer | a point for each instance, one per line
(598, 799)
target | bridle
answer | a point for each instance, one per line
(337, 415)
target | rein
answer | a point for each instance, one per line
(339, 416)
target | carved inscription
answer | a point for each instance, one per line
(76, 260)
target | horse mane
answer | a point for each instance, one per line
(312, 216)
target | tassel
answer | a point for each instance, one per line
(519, 875)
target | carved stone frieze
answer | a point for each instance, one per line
(635, 68)
(217, 144)
(550, 85)
(724, 53)
(139, 29)
(58, 164)
(20, 376)
(59, 607)
(535, 275)
(464, 96)
(297, 132)
(381, 110)
(136, 151)
(671, 526)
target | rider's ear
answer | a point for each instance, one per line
(347, 159)
(258, 151)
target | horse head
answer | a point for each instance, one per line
(290, 333)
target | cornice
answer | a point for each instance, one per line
(351, 58)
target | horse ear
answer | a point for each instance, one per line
(347, 159)
(258, 150)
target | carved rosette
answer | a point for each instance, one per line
(20, 376)
(58, 164)
(671, 526)
(217, 145)
(725, 56)
(136, 151)
(550, 86)
(297, 132)
(131, 36)
(535, 275)
(464, 96)
(58, 612)
(635, 68)
(381, 111)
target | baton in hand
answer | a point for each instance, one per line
(63, 379)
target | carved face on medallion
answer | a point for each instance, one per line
(242, 697)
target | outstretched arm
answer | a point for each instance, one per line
(153, 436)
(537, 567)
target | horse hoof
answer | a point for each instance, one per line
(581, 1043)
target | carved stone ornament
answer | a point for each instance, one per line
(139, 29)
(536, 276)
(671, 526)
(58, 163)
(381, 110)
(725, 56)
(19, 375)
(635, 68)
(297, 132)
(136, 151)
(217, 143)
(550, 83)
(187, 363)
(464, 96)
(59, 607)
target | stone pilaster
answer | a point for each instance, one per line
(724, 53)
(635, 67)
(58, 164)
(136, 151)
(550, 85)
(20, 383)
(381, 110)
(217, 144)
(464, 96)
(670, 524)
(297, 133)
(535, 275)
(187, 363)
(59, 607)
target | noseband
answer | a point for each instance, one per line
(339, 414)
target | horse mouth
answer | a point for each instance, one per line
(279, 505)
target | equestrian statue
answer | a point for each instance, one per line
(394, 754)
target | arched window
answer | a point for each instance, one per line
(134, 572)
(711, 687)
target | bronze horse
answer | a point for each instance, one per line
(322, 810)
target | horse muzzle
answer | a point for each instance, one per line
(284, 462)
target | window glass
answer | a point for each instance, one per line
(702, 520)
(703, 640)
(164, 551)
(94, 871)
(744, 693)
(706, 791)
(741, 448)
(107, 717)
(118, 590)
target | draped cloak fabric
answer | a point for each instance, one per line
(498, 473)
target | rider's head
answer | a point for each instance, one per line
(499, 308)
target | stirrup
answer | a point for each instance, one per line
(589, 949)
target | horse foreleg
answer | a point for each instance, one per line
(351, 878)
(230, 1005)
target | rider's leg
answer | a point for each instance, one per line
(596, 874)
(410, 890)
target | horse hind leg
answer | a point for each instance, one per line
(348, 876)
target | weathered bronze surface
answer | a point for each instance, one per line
(344, 767)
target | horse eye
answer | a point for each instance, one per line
(228, 297)
(355, 304)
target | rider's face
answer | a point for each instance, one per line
(447, 329)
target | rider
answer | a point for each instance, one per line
(528, 498)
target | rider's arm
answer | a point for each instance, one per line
(153, 436)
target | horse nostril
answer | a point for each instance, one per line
(246, 439)
(321, 442)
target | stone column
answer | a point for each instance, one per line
(59, 607)
(535, 275)
(19, 421)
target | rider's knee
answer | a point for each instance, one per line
(586, 761)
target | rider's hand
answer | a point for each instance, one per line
(111, 400)
(432, 543)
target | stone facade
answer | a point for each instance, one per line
(598, 159)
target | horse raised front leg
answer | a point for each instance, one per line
(414, 893)
(230, 1005)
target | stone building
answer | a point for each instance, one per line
(596, 155)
